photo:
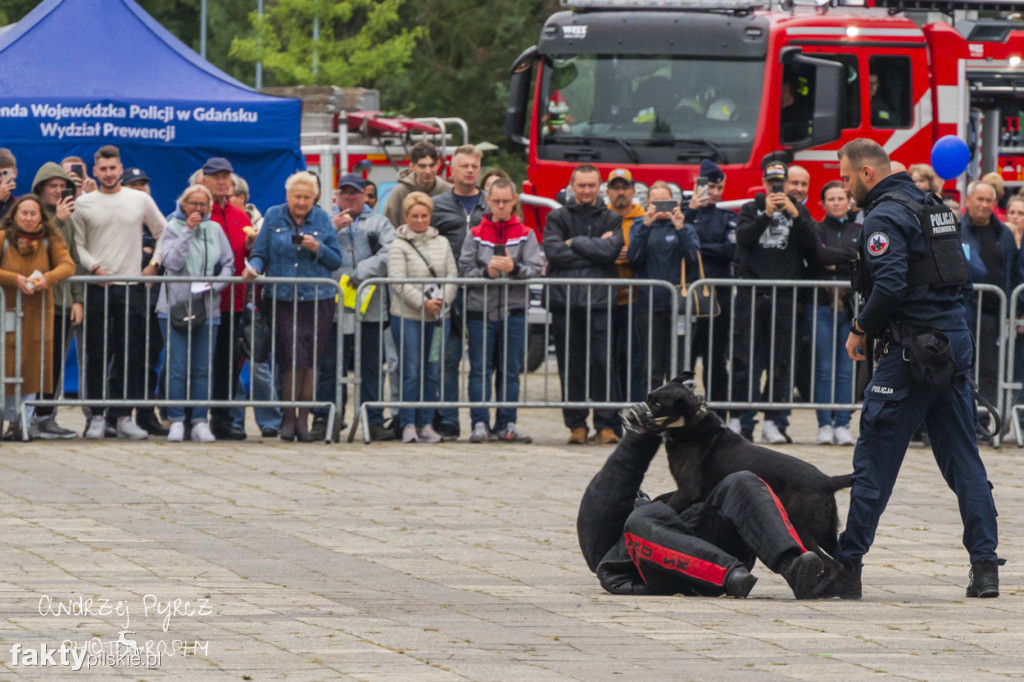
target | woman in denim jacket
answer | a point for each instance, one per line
(297, 240)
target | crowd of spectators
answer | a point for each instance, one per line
(612, 344)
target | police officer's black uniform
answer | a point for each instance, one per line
(916, 285)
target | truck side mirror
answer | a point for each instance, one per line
(829, 104)
(519, 96)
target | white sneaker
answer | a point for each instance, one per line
(126, 428)
(176, 433)
(409, 434)
(770, 434)
(734, 425)
(201, 433)
(480, 433)
(843, 436)
(825, 435)
(429, 435)
(97, 427)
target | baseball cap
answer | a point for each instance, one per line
(352, 180)
(216, 164)
(131, 175)
(775, 170)
(620, 174)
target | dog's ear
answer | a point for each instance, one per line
(685, 377)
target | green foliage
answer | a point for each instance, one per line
(360, 41)
(462, 65)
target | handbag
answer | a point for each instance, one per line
(188, 314)
(191, 313)
(705, 298)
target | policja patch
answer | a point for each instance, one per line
(878, 243)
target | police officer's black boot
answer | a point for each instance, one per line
(844, 584)
(739, 582)
(984, 579)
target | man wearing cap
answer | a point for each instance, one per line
(716, 232)
(455, 213)
(227, 423)
(626, 354)
(774, 235)
(108, 235)
(583, 240)
(364, 238)
(145, 416)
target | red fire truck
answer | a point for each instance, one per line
(657, 85)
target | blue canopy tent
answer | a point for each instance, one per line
(78, 74)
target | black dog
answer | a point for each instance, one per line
(702, 451)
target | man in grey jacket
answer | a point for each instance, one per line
(364, 238)
(502, 249)
(455, 214)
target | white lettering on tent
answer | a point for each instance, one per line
(152, 113)
(226, 115)
(14, 111)
(60, 111)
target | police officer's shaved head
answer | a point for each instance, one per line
(862, 165)
(865, 152)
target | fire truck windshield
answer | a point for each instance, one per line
(649, 109)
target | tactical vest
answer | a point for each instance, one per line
(944, 264)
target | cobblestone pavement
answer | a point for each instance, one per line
(447, 562)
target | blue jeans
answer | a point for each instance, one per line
(264, 387)
(488, 353)
(452, 358)
(370, 370)
(192, 371)
(413, 339)
(827, 343)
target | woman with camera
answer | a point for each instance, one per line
(189, 312)
(417, 311)
(34, 257)
(297, 240)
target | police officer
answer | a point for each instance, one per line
(716, 230)
(916, 283)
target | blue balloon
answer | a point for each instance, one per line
(950, 157)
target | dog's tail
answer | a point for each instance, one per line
(839, 482)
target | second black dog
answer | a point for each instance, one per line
(702, 451)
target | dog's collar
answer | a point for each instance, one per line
(697, 417)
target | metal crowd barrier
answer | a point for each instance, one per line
(120, 375)
(552, 393)
(800, 332)
(1013, 384)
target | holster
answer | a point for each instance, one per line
(928, 353)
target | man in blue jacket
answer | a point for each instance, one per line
(991, 254)
(583, 240)
(916, 282)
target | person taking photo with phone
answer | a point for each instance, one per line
(774, 235)
(716, 231)
(8, 180)
(659, 245)
(56, 191)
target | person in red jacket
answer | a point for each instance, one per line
(227, 356)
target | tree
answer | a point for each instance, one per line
(463, 61)
(359, 41)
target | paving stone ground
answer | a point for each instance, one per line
(451, 562)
